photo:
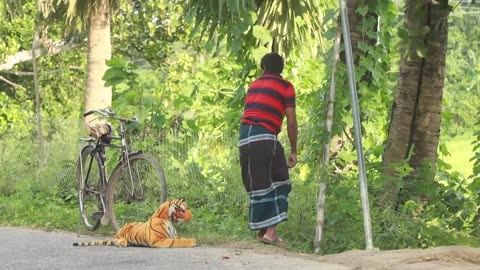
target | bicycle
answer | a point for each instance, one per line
(135, 188)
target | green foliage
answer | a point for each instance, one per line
(445, 213)
(17, 155)
(149, 32)
(474, 184)
(375, 74)
(211, 226)
(119, 72)
(22, 208)
(419, 33)
(249, 29)
(462, 82)
(17, 29)
(16, 33)
(17, 113)
(13, 116)
(459, 153)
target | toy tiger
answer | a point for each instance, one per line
(157, 231)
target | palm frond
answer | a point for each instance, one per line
(290, 23)
(293, 23)
(210, 13)
(12, 7)
(74, 12)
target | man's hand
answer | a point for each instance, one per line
(292, 160)
(292, 135)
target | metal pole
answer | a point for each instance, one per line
(357, 126)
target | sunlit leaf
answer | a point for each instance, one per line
(262, 34)
(258, 53)
(443, 149)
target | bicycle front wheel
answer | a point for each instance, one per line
(135, 190)
(89, 177)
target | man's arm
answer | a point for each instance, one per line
(292, 131)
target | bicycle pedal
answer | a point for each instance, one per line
(97, 215)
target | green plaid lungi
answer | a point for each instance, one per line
(265, 176)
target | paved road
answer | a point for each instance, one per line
(24, 249)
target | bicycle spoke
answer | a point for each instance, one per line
(135, 191)
(89, 177)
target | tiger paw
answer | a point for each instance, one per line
(122, 242)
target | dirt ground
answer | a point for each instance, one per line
(440, 258)
(448, 257)
(54, 250)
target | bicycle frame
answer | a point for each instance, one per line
(100, 146)
(142, 170)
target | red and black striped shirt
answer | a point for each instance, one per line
(267, 98)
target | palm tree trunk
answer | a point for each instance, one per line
(355, 22)
(357, 33)
(99, 50)
(416, 114)
(428, 113)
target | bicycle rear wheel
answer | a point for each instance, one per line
(89, 177)
(135, 190)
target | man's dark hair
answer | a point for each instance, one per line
(272, 63)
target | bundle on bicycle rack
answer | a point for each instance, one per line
(101, 131)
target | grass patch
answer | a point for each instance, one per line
(461, 151)
(49, 211)
(37, 212)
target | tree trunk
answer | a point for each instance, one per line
(416, 114)
(361, 33)
(38, 108)
(322, 193)
(24, 56)
(355, 22)
(99, 50)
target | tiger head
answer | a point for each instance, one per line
(178, 211)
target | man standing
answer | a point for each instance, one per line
(264, 167)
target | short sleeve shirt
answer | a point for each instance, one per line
(266, 101)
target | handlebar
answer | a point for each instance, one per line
(109, 113)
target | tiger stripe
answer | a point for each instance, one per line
(96, 243)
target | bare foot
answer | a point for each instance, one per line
(276, 241)
(260, 234)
